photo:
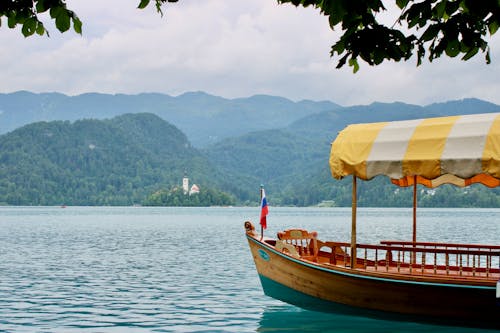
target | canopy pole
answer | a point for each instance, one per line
(414, 216)
(353, 223)
(414, 209)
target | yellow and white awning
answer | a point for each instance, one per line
(460, 150)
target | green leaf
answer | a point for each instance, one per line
(158, 6)
(420, 54)
(77, 25)
(63, 21)
(353, 62)
(440, 9)
(11, 21)
(472, 52)
(452, 7)
(143, 4)
(453, 48)
(336, 12)
(493, 27)
(463, 5)
(338, 47)
(430, 33)
(402, 3)
(342, 60)
(40, 29)
(56, 11)
(379, 56)
(29, 27)
(40, 6)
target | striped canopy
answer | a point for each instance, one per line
(460, 150)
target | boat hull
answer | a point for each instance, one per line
(340, 290)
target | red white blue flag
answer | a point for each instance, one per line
(263, 210)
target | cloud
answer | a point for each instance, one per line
(226, 48)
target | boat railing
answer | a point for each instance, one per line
(442, 245)
(465, 260)
(462, 252)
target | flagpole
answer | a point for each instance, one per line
(261, 225)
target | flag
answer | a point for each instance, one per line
(263, 210)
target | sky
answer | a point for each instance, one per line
(225, 48)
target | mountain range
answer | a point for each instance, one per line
(231, 144)
(204, 118)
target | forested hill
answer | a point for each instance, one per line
(96, 162)
(141, 158)
(293, 161)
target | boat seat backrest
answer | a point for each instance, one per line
(333, 249)
(305, 242)
(287, 248)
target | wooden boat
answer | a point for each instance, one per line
(455, 284)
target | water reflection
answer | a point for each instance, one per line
(289, 318)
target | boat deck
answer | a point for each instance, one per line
(466, 263)
(454, 273)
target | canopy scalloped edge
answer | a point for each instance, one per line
(484, 179)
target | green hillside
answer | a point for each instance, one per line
(141, 159)
(97, 162)
(293, 162)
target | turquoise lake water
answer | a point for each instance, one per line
(138, 269)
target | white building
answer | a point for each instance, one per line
(194, 189)
(185, 184)
(185, 187)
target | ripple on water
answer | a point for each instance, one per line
(154, 270)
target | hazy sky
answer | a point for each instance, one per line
(226, 48)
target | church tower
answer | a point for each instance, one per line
(185, 184)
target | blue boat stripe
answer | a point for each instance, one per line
(268, 247)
